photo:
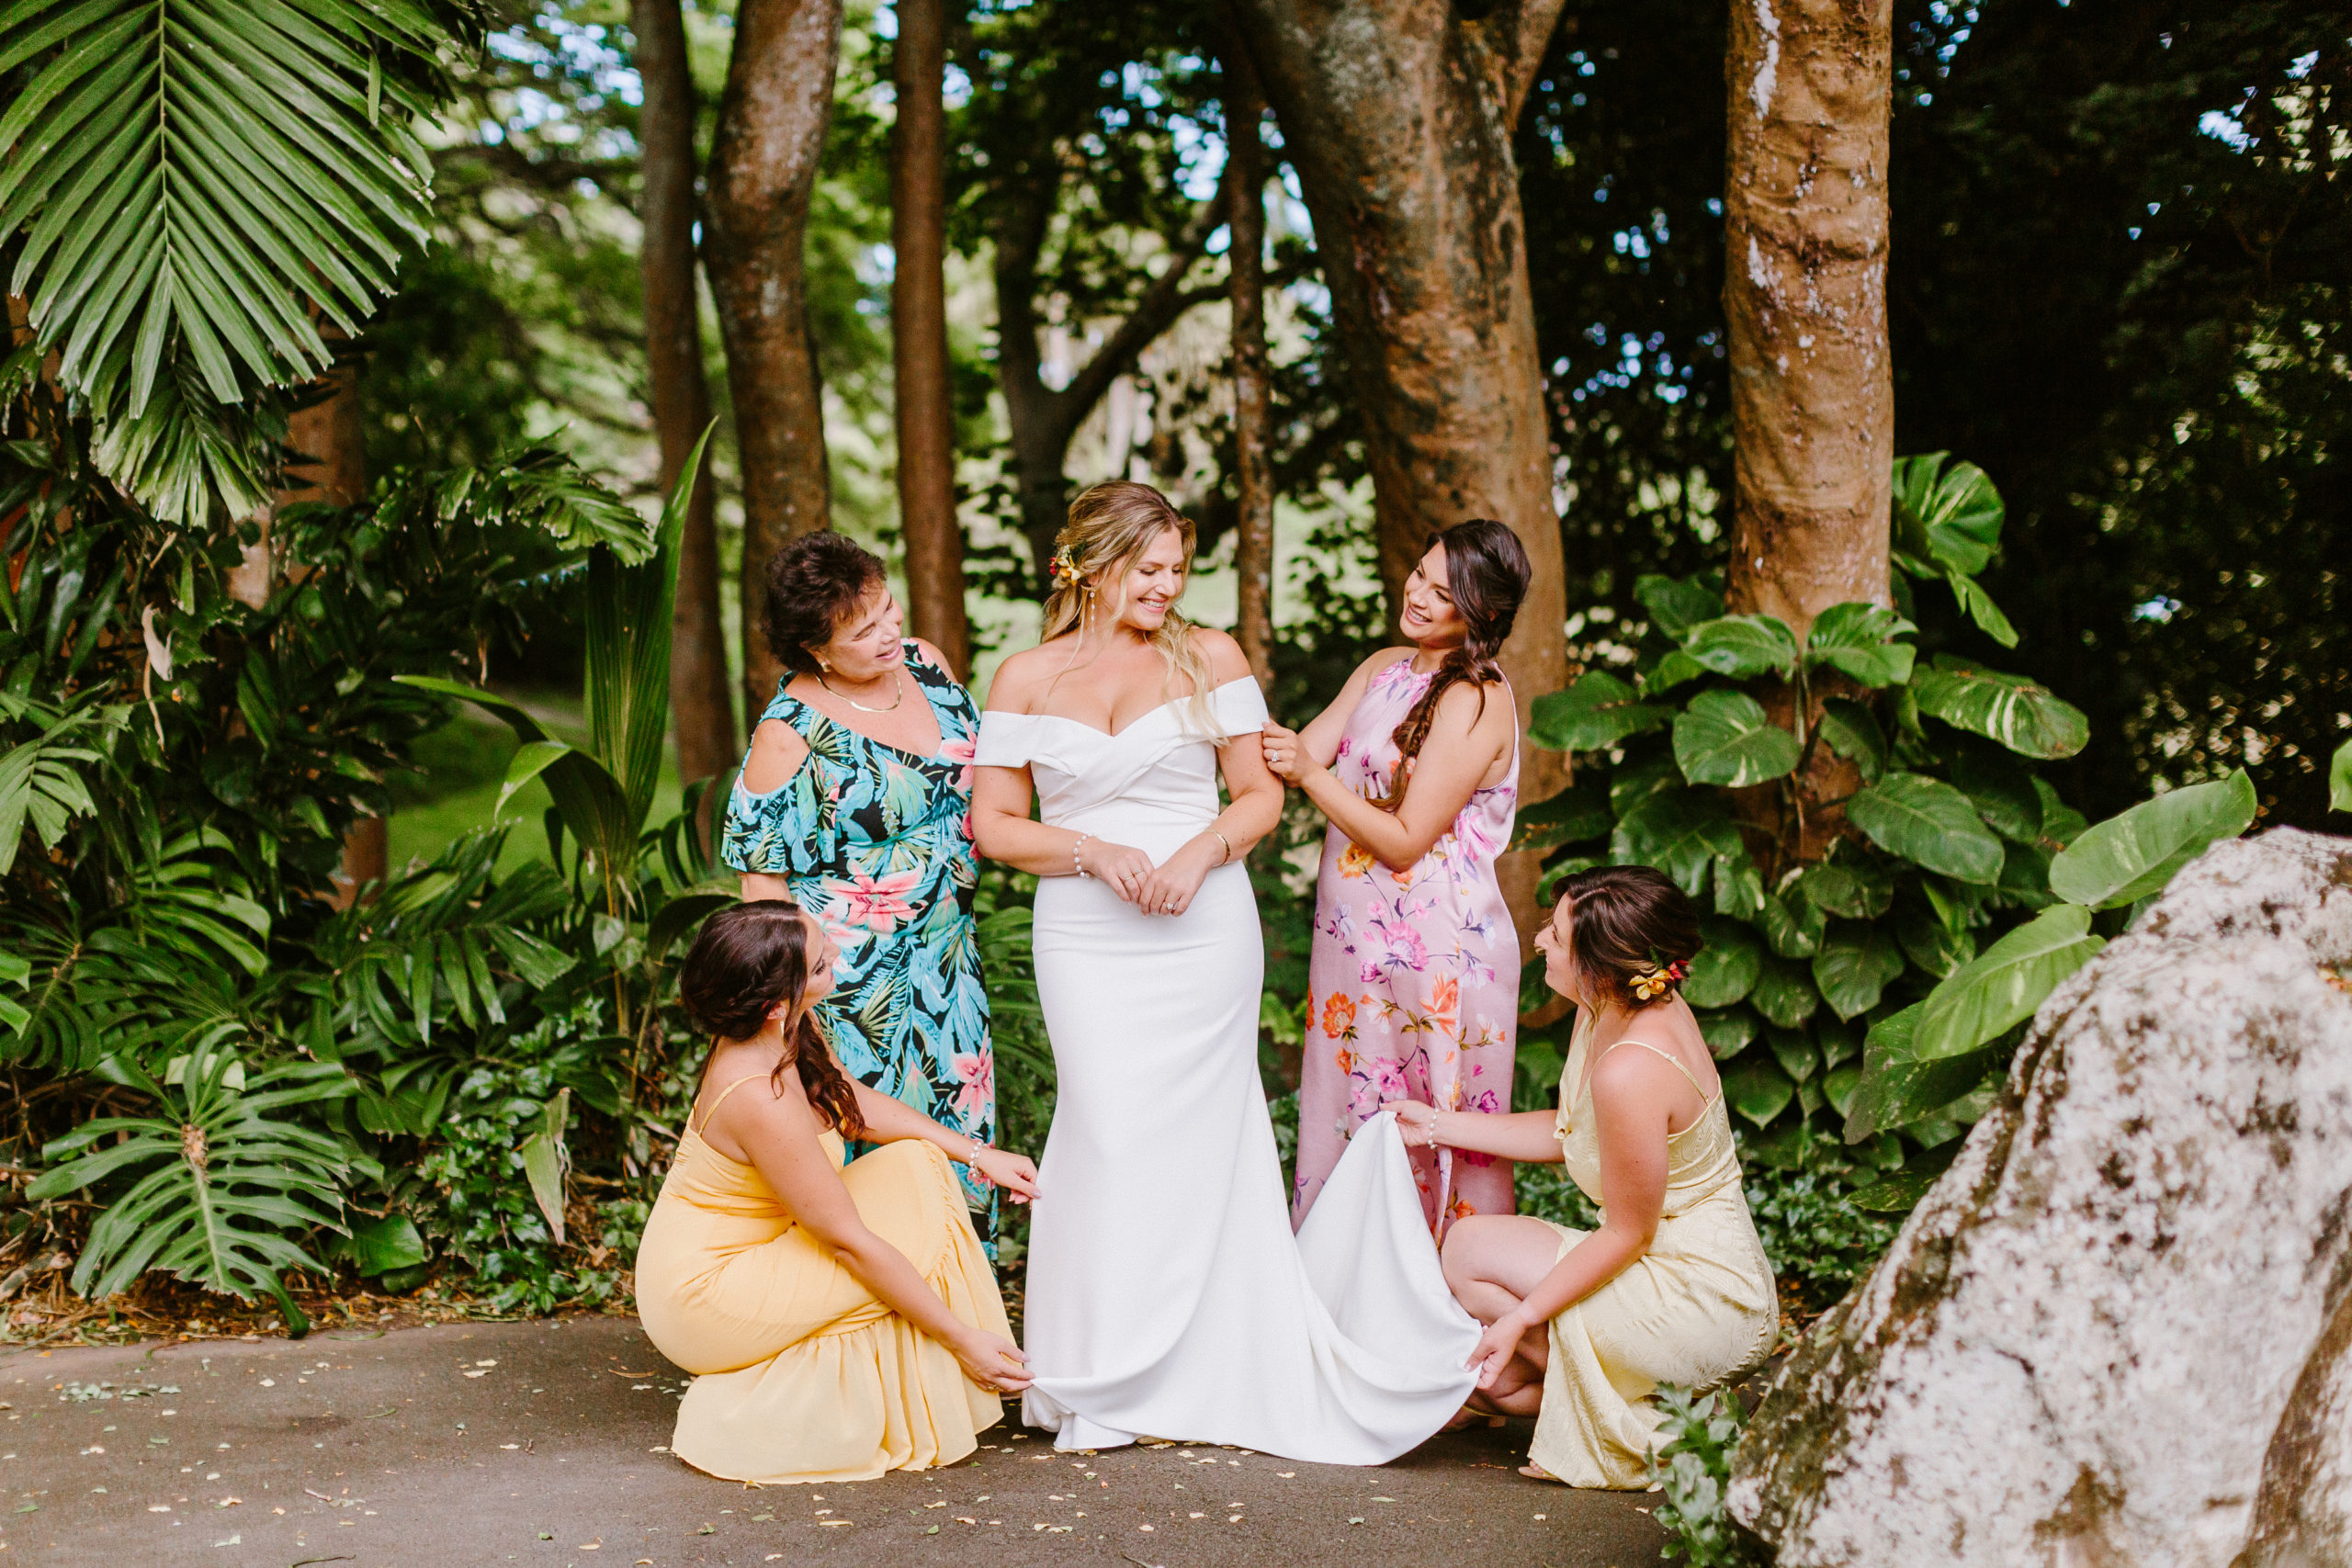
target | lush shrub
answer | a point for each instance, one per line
(1691, 1466)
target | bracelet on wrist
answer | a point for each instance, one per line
(1223, 844)
(1075, 864)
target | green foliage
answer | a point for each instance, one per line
(2339, 779)
(186, 174)
(2131, 857)
(215, 1188)
(1876, 992)
(179, 769)
(1689, 1466)
(476, 1194)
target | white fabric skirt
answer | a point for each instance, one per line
(1166, 1294)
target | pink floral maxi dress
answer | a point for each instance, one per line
(1413, 983)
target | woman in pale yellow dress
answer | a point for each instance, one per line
(1673, 1287)
(841, 1322)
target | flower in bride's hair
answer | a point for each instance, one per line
(1648, 984)
(1065, 567)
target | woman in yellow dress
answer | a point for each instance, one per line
(1673, 1287)
(841, 1322)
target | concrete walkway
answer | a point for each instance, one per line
(544, 1443)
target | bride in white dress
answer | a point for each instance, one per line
(1166, 1295)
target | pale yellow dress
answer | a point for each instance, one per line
(1697, 1309)
(804, 1375)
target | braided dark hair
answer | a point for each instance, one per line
(1486, 572)
(747, 958)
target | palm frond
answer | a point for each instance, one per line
(193, 180)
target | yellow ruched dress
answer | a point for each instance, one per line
(1697, 1309)
(802, 1373)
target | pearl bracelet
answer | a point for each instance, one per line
(1074, 865)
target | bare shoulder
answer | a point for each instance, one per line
(1628, 1070)
(1017, 681)
(1382, 661)
(1227, 662)
(776, 754)
(1473, 705)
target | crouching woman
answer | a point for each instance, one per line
(842, 1322)
(1673, 1287)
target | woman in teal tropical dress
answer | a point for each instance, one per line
(854, 801)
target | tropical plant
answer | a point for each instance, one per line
(1690, 1464)
(1872, 993)
(604, 791)
(217, 1187)
(200, 185)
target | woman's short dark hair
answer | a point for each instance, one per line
(813, 583)
(1626, 921)
(746, 960)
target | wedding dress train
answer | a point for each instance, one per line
(1166, 1294)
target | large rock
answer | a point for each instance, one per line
(2115, 1333)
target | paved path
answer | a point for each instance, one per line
(543, 1443)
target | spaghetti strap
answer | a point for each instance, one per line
(713, 1108)
(1658, 1051)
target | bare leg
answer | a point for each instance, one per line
(1492, 1261)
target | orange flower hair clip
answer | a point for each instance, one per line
(1064, 568)
(1652, 981)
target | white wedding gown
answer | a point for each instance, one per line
(1166, 1293)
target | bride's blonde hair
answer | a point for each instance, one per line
(1110, 526)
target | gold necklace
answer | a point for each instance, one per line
(898, 690)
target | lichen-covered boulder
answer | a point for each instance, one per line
(2115, 1332)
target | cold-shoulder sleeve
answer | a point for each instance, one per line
(1240, 707)
(1007, 740)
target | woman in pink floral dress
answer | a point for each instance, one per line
(1413, 985)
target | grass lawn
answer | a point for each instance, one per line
(461, 767)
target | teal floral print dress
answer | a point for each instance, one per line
(877, 843)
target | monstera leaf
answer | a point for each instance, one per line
(216, 1186)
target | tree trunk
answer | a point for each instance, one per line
(1805, 224)
(1042, 419)
(1398, 115)
(1253, 544)
(772, 122)
(919, 334)
(333, 443)
(1812, 388)
(698, 698)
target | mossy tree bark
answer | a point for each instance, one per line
(772, 123)
(1812, 388)
(1398, 116)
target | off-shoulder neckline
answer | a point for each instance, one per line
(1140, 719)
